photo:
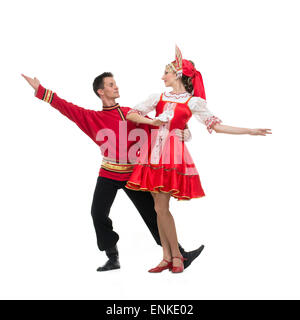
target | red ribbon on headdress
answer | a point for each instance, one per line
(190, 71)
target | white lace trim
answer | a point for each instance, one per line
(163, 131)
(210, 122)
(168, 113)
(170, 94)
(134, 111)
(173, 97)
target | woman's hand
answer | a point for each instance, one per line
(260, 132)
(157, 122)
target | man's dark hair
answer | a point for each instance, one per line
(99, 81)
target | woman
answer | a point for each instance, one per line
(165, 168)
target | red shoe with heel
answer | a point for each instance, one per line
(178, 269)
(160, 269)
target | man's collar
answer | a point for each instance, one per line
(108, 108)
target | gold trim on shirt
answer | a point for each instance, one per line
(116, 167)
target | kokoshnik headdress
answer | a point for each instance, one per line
(185, 67)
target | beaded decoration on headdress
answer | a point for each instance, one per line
(176, 65)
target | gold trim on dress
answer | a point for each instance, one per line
(173, 192)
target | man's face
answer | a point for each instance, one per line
(110, 90)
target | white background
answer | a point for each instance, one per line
(248, 54)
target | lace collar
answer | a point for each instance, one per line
(177, 95)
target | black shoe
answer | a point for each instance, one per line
(113, 260)
(111, 264)
(190, 256)
(112, 253)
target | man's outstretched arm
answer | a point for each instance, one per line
(86, 120)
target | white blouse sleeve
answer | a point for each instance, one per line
(146, 106)
(198, 107)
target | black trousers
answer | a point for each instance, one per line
(104, 195)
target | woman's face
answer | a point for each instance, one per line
(169, 78)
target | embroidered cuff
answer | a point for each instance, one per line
(134, 111)
(44, 94)
(48, 96)
(210, 122)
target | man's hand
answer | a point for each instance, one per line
(260, 132)
(183, 135)
(33, 82)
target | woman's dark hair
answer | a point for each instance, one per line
(99, 81)
(187, 81)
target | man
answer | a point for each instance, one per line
(116, 167)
